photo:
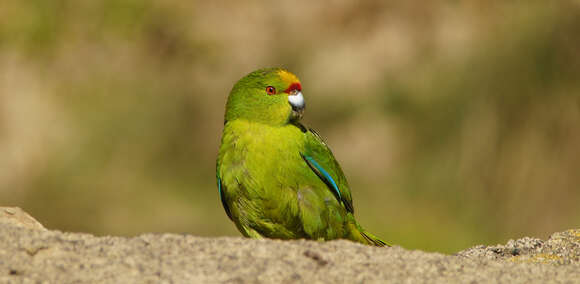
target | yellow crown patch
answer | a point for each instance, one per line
(288, 77)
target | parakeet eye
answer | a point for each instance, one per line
(270, 90)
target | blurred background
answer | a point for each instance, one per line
(457, 123)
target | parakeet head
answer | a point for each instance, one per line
(271, 96)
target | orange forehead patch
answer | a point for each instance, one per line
(288, 77)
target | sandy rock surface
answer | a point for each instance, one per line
(31, 254)
(17, 217)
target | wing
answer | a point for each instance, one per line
(320, 159)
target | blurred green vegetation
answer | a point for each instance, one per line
(457, 123)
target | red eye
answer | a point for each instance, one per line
(270, 90)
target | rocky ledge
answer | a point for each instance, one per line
(31, 254)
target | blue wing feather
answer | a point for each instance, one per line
(223, 198)
(324, 175)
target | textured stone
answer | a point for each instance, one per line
(17, 217)
(38, 256)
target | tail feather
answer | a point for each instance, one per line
(373, 240)
(358, 234)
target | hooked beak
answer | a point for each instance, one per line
(296, 100)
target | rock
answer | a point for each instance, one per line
(31, 255)
(17, 217)
(560, 248)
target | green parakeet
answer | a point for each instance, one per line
(277, 178)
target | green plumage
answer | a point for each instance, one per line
(276, 178)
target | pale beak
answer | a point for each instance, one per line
(296, 100)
